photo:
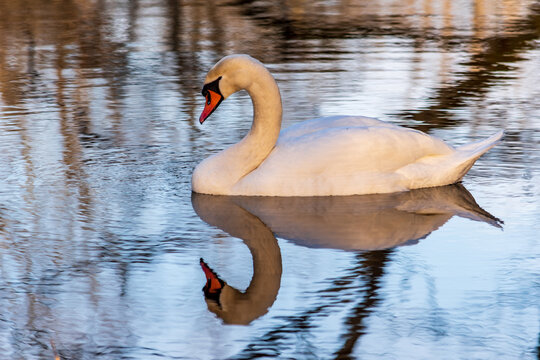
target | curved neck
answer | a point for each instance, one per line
(219, 173)
(267, 110)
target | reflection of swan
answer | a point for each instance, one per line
(233, 306)
(363, 222)
(327, 156)
(353, 222)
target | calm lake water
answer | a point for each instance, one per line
(100, 235)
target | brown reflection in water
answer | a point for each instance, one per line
(492, 51)
(89, 33)
(47, 51)
(53, 54)
(185, 53)
(490, 59)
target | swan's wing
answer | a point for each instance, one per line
(317, 159)
(325, 123)
(352, 148)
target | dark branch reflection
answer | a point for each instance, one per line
(492, 64)
(99, 136)
(492, 59)
(371, 271)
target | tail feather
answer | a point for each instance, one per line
(447, 169)
(480, 147)
(469, 153)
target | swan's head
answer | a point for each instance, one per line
(229, 304)
(214, 285)
(231, 74)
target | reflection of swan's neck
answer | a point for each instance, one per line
(264, 285)
(236, 307)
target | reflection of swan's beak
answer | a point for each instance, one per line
(214, 285)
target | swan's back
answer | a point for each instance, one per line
(323, 123)
(340, 156)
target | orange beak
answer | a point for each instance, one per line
(213, 99)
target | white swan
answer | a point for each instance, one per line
(326, 156)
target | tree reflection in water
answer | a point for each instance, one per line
(98, 136)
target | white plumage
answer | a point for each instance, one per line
(326, 156)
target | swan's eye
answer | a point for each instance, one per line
(208, 99)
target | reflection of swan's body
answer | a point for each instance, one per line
(327, 156)
(365, 222)
(233, 306)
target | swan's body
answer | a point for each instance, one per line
(326, 156)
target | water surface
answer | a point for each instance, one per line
(100, 235)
